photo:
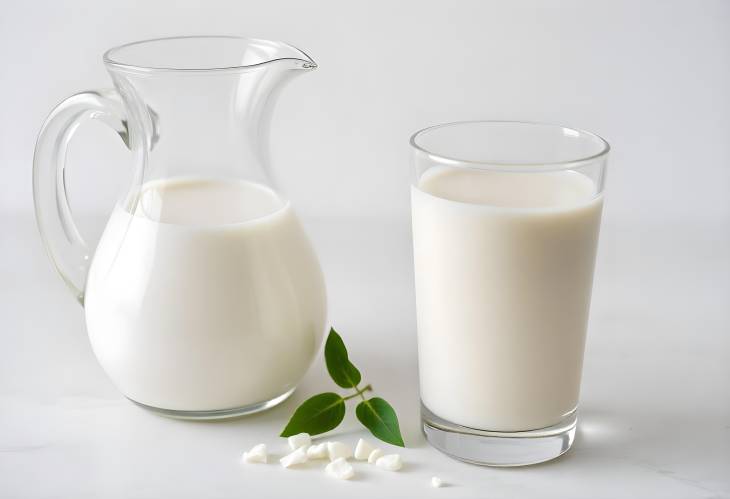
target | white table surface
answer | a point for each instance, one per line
(654, 419)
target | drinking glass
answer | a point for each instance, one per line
(506, 218)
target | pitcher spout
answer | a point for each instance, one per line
(267, 52)
(298, 58)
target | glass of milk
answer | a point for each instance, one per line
(506, 218)
(204, 298)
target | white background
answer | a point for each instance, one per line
(653, 78)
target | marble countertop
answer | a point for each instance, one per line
(654, 417)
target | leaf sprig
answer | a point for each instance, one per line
(326, 411)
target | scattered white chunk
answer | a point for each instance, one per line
(338, 449)
(317, 451)
(299, 440)
(299, 456)
(363, 449)
(374, 455)
(390, 462)
(340, 468)
(257, 454)
(436, 482)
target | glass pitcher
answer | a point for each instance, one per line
(204, 298)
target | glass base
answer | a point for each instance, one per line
(220, 413)
(497, 448)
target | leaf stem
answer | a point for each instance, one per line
(359, 393)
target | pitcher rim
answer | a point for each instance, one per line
(305, 62)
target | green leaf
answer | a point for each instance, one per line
(316, 415)
(338, 364)
(380, 418)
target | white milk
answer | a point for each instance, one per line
(209, 297)
(504, 266)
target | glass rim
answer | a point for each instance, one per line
(514, 166)
(306, 62)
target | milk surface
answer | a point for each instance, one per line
(504, 268)
(208, 297)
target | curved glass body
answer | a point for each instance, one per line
(204, 297)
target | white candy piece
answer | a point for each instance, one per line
(317, 451)
(338, 449)
(390, 462)
(363, 449)
(257, 454)
(374, 455)
(340, 468)
(299, 456)
(436, 482)
(299, 440)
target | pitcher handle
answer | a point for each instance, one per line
(65, 246)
